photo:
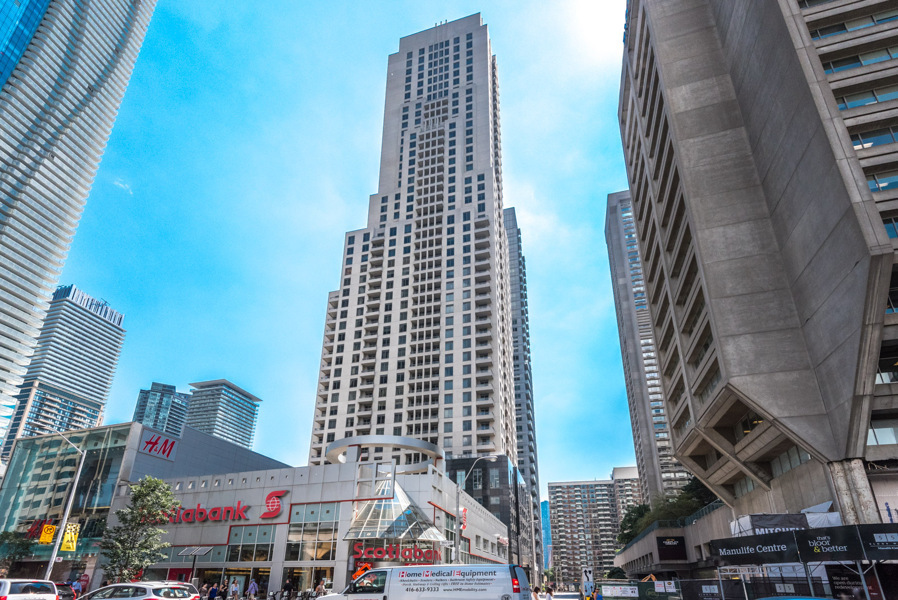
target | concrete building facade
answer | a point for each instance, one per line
(525, 411)
(64, 69)
(70, 375)
(42, 471)
(163, 408)
(757, 137)
(417, 339)
(220, 408)
(585, 521)
(659, 472)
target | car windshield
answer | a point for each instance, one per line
(172, 592)
(31, 587)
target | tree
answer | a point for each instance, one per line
(631, 519)
(550, 574)
(136, 542)
(14, 546)
(616, 573)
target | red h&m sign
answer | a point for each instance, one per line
(157, 444)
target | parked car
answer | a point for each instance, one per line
(65, 591)
(145, 590)
(28, 589)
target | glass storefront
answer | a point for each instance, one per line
(306, 578)
(313, 532)
(38, 481)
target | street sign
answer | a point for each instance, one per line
(587, 575)
(70, 537)
(47, 533)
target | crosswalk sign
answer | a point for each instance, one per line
(47, 533)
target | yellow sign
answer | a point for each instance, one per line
(70, 537)
(47, 533)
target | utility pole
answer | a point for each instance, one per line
(68, 506)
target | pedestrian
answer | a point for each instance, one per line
(550, 592)
(252, 590)
(287, 590)
(535, 593)
(204, 591)
(213, 592)
(234, 590)
(319, 589)
(76, 587)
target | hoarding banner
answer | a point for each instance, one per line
(879, 541)
(829, 544)
(770, 548)
(777, 523)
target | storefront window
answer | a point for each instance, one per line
(305, 579)
(313, 532)
(250, 543)
(39, 478)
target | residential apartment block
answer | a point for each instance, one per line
(763, 172)
(220, 408)
(585, 522)
(68, 381)
(418, 338)
(64, 67)
(525, 414)
(163, 408)
(659, 472)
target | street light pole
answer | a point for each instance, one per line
(458, 486)
(68, 506)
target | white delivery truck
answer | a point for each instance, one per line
(439, 582)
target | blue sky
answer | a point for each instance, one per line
(247, 145)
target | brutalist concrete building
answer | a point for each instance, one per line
(759, 141)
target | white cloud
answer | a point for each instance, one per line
(121, 184)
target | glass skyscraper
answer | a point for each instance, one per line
(64, 67)
(163, 408)
(70, 375)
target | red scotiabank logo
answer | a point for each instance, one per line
(273, 504)
(159, 445)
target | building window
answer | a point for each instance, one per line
(250, 543)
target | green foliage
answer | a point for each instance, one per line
(550, 574)
(616, 572)
(14, 546)
(628, 524)
(136, 542)
(692, 497)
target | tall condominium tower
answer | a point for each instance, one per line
(222, 409)
(64, 67)
(525, 417)
(760, 149)
(659, 471)
(163, 408)
(417, 339)
(585, 522)
(68, 381)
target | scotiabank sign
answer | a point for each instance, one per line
(238, 512)
(394, 552)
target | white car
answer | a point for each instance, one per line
(28, 589)
(145, 590)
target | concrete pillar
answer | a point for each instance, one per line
(853, 494)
